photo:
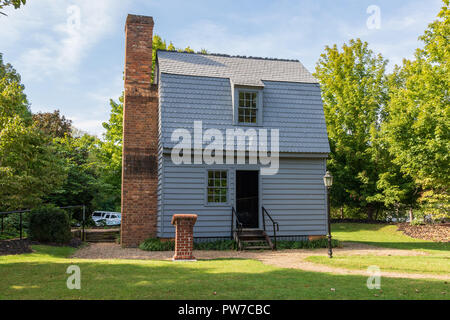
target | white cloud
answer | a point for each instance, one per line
(60, 34)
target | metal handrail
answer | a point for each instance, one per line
(274, 223)
(235, 223)
(20, 212)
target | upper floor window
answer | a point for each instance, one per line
(248, 107)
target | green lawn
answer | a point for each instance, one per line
(386, 236)
(437, 261)
(405, 264)
(42, 275)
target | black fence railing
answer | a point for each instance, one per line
(274, 225)
(5, 214)
(236, 227)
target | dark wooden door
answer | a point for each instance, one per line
(247, 198)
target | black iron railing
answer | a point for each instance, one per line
(3, 215)
(274, 225)
(236, 227)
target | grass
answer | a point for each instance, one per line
(437, 260)
(42, 275)
(385, 236)
(404, 264)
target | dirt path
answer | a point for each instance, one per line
(283, 258)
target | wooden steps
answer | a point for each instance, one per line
(253, 239)
(99, 235)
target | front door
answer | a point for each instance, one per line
(247, 202)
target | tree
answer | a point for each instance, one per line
(110, 155)
(354, 92)
(53, 124)
(416, 129)
(13, 100)
(16, 3)
(29, 168)
(81, 183)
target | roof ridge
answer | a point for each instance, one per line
(230, 56)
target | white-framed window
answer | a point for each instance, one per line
(217, 187)
(248, 106)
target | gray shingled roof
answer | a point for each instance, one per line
(241, 70)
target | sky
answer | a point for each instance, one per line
(70, 53)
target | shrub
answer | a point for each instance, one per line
(155, 244)
(49, 224)
(313, 244)
(215, 245)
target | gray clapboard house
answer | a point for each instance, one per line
(227, 92)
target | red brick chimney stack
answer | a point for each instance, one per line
(140, 135)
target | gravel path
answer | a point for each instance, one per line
(283, 258)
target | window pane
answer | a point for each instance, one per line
(217, 186)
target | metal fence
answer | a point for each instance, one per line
(5, 214)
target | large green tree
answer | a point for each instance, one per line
(29, 168)
(53, 124)
(354, 92)
(110, 153)
(13, 100)
(416, 129)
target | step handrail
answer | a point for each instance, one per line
(235, 223)
(275, 225)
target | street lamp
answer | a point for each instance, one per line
(328, 181)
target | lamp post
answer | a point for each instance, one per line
(328, 181)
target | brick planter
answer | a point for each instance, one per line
(184, 236)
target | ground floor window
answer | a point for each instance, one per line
(217, 192)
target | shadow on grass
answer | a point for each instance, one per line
(214, 279)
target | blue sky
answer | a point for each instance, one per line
(77, 69)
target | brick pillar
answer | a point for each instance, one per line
(140, 135)
(184, 236)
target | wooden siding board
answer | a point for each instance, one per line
(185, 99)
(297, 201)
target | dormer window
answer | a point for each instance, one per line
(248, 107)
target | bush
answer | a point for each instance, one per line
(155, 244)
(215, 245)
(49, 224)
(313, 244)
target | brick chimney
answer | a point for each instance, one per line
(140, 135)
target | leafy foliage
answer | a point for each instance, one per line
(53, 124)
(354, 91)
(13, 100)
(16, 3)
(416, 129)
(28, 168)
(49, 224)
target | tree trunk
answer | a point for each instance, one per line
(342, 213)
(370, 213)
(411, 217)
